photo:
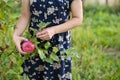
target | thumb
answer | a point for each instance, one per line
(19, 49)
(24, 39)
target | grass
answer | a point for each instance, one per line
(97, 43)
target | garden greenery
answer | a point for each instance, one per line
(96, 42)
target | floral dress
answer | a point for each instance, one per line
(56, 12)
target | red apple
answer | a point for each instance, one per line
(28, 46)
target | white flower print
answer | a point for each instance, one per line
(46, 67)
(32, 61)
(37, 59)
(60, 46)
(57, 20)
(50, 10)
(45, 72)
(61, 0)
(59, 76)
(44, 6)
(37, 13)
(45, 15)
(66, 65)
(31, 1)
(40, 68)
(56, 65)
(46, 78)
(62, 58)
(50, 2)
(34, 19)
(63, 76)
(68, 75)
(26, 69)
(31, 23)
(51, 72)
(34, 74)
(43, 0)
(55, 12)
(60, 38)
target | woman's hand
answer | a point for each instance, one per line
(46, 34)
(17, 40)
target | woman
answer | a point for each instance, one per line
(57, 12)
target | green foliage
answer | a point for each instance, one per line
(104, 8)
(43, 46)
(96, 42)
(10, 60)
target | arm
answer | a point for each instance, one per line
(21, 25)
(23, 19)
(77, 17)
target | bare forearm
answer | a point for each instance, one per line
(24, 18)
(67, 25)
(77, 18)
(21, 25)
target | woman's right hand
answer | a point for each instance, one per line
(17, 40)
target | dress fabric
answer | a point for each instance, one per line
(56, 12)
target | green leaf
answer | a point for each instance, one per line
(35, 31)
(70, 53)
(55, 49)
(43, 25)
(49, 60)
(47, 45)
(54, 57)
(11, 72)
(13, 58)
(41, 54)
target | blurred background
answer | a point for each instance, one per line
(102, 2)
(96, 41)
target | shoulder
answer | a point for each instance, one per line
(75, 2)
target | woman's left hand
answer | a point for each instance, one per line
(46, 34)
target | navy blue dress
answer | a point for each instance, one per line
(56, 12)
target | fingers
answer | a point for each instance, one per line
(23, 39)
(18, 41)
(20, 50)
(41, 33)
(19, 45)
(43, 36)
(46, 34)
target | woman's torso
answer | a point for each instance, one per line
(53, 11)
